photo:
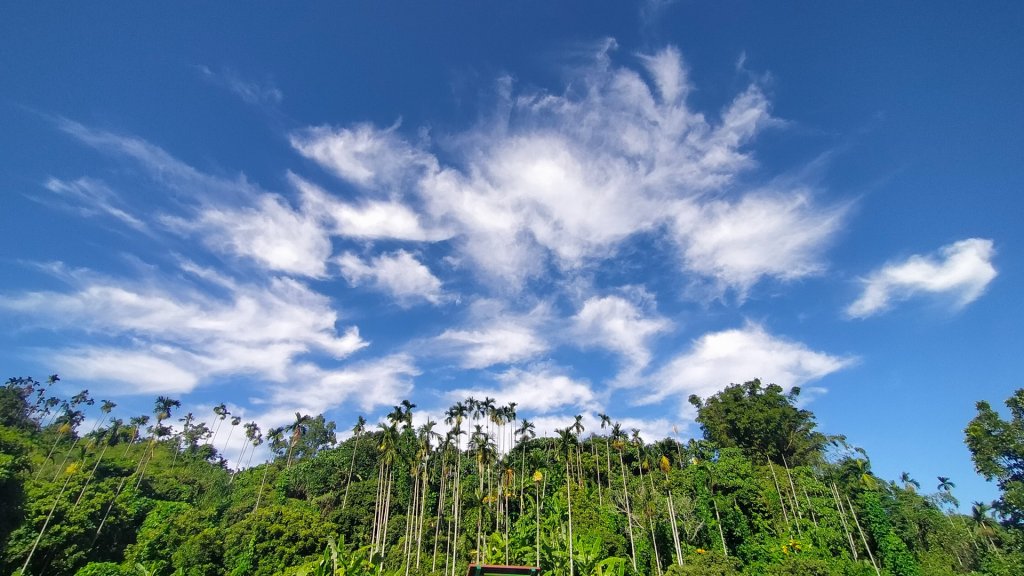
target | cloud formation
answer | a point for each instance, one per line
(622, 143)
(961, 270)
(399, 274)
(91, 198)
(537, 389)
(617, 324)
(256, 329)
(717, 359)
(251, 92)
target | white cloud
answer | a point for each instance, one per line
(495, 345)
(269, 233)
(774, 235)
(94, 198)
(368, 219)
(148, 371)
(258, 329)
(369, 384)
(617, 324)
(634, 153)
(362, 154)
(537, 389)
(651, 429)
(162, 166)
(495, 336)
(961, 270)
(249, 91)
(399, 274)
(718, 359)
(232, 217)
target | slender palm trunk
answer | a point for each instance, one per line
(263, 483)
(45, 524)
(228, 439)
(65, 461)
(792, 487)
(457, 508)
(387, 510)
(842, 519)
(440, 510)
(675, 529)
(568, 494)
(807, 497)
(106, 514)
(410, 522)
(629, 513)
(536, 492)
(241, 455)
(608, 459)
(92, 473)
(721, 534)
(377, 508)
(597, 467)
(424, 496)
(144, 463)
(782, 501)
(352, 465)
(863, 538)
(60, 435)
(480, 511)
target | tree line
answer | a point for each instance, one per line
(763, 491)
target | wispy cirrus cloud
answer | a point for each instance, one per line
(268, 232)
(93, 198)
(250, 91)
(961, 270)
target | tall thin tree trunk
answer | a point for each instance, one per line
(536, 491)
(92, 473)
(424, 496)
(654, 545)
(629, 513)
(842, 519)
(107, 513)
(568, 495)
(65, 461)
(796, 499)
(457, 508)
(721, 534)
(440, 511)
(810, 507)
(45, 524)
(863, 538)
(675, 529)
(778, 490)
(263, 483)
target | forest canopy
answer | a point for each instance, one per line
(759, 493)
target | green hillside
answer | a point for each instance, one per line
(763, 492)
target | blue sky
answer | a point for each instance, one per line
(581, 207)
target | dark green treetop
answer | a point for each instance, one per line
(997, 448)
(762, 422)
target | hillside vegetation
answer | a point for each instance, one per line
(763, 492)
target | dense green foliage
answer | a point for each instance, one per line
(997, 446)
(762, 493)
